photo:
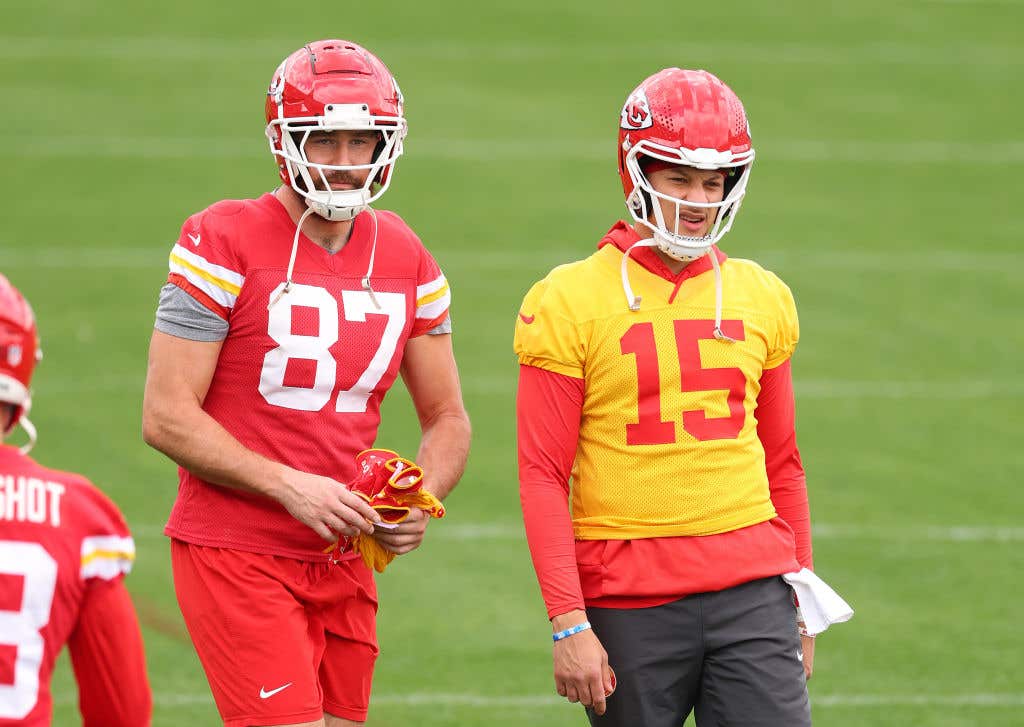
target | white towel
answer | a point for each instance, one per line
(820, 605)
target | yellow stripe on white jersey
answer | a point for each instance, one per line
(220, 283)
(106, 556)
(433, 298)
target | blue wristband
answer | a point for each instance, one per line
(570, 631)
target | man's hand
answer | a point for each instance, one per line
(407, 536)
(807, 644)
(581, 664)
(325, 505)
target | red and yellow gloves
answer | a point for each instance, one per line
(392, 485)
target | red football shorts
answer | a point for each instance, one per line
(281, 640)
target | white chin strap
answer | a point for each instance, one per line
(338, 206)
(679, 247)
(30, 430)
(633, 301)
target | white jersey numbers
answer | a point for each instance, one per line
(21, 629)
(315, 347)
(307, 347)
(358, 304)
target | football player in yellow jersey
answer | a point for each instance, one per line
(655, 378)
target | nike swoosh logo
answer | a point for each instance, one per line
(799, 656)
(194, 239)
(526, 319)
(264, 693)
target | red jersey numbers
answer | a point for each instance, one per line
(22, 631)
(639, 341)
(310, 347)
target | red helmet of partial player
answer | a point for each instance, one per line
(19, 351)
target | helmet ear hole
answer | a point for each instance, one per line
(731, 178)
(640, 202)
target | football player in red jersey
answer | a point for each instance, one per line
(64, 552)
(669, 405)
(284, 321)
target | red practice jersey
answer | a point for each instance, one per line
(64, 550)
(302, 374)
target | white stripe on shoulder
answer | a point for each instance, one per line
(218, 271)
(219, 295)
(435, 308)
(428, 288)
(106, 556)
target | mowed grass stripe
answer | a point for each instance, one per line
(94, 256)
(903, 533)
(764, 53)
(848, 151)
(167, 700)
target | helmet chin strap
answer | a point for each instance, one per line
(332, 213)
(30, 430)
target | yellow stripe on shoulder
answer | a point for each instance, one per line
(114, 555)
(431, 297)
(219, 282)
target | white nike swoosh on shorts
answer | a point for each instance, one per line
(264, 693)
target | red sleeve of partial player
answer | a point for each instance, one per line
(548, 409)
(108, 659)
(776, 428)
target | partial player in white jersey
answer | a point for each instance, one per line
(64, 552)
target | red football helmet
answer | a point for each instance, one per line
(331, 85)
(19, 352)
(691, 118)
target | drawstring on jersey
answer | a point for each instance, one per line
(295, 249)
(633, 301)
(373, 253)
(291, 260)
(718, 300)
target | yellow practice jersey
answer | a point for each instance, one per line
(668, 441)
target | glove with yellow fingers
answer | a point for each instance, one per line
(392, 485)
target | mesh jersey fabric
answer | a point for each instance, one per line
(667, 441)
(301, 382)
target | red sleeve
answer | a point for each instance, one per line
(548, 409)
(776, 428)
(433, 295)
(108, 658)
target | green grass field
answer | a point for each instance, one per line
(890, 150)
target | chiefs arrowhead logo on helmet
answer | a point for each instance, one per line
(636, 114)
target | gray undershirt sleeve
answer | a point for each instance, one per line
(441, 328)
(179, 314)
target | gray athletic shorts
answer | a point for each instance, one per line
(732, 657)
